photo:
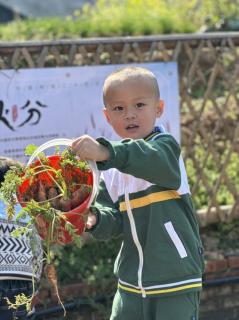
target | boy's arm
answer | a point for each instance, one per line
(109, 222)
(155, 161)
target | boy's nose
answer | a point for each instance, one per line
(130, 113)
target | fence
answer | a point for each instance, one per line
(209, 99)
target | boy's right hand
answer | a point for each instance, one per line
(87, 148)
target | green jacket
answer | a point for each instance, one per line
(144, 195)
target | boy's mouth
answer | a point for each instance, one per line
(132, 126)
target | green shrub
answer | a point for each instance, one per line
(92, 264)
(125, 17)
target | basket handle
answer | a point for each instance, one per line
(68, 142)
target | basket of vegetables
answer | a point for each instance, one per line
(57, 190)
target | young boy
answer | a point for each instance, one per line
(17, 264)
(144, 195)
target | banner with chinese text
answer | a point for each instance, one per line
(37, 105)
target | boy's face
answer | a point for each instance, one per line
(132, 107)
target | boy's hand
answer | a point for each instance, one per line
(91, 220)
(88, 148)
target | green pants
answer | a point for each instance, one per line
(134, 307)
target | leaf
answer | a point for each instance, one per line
(20, 300)
(20, 231)
(30, 149)
(22, 214)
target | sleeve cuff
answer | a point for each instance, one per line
(118, 151)
(104, 165)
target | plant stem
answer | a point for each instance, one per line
(46, 170)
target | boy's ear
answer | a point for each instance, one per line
(160, 108)
(105, 111)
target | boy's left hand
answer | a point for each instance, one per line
(87, 148)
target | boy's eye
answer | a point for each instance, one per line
(118, 108)
(140, 105)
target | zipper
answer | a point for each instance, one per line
(135, 238)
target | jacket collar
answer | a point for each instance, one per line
(155, 131)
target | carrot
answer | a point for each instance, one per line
(41, 192)
(79, 196)
(65, 205)
(50, 272)
(52, 194)
(51, 275)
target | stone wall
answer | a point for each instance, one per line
(220, 298)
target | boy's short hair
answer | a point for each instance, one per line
(131, 72)
(5, 165)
